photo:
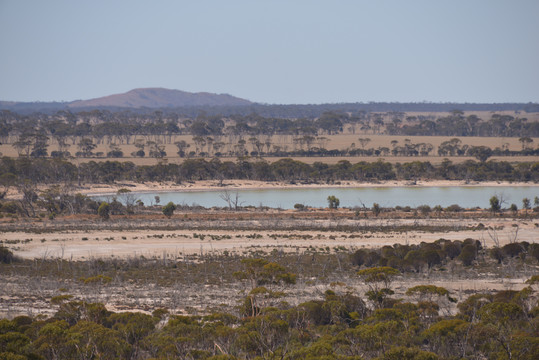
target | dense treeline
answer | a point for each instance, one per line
(306, 147)
(53, 171)
(424, 322)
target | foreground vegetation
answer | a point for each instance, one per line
(358, 306)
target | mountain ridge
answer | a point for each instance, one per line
(160, 98)
(140, 98)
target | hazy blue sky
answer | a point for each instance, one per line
(279, 51)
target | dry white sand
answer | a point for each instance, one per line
(207, 185)
(150, 243)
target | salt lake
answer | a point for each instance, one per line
(464, 196)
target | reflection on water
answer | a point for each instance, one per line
(351, 197)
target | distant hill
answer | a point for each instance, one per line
(147, 98)
(160, 98)
(191, 104)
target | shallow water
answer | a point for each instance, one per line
(465, 196)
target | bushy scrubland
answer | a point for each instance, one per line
(423, 322)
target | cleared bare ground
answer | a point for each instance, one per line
(175, 250)
(70, 243)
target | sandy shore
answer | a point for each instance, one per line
(213, 185)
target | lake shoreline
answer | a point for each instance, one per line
(214, 185)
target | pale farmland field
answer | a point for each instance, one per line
(338, 142)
